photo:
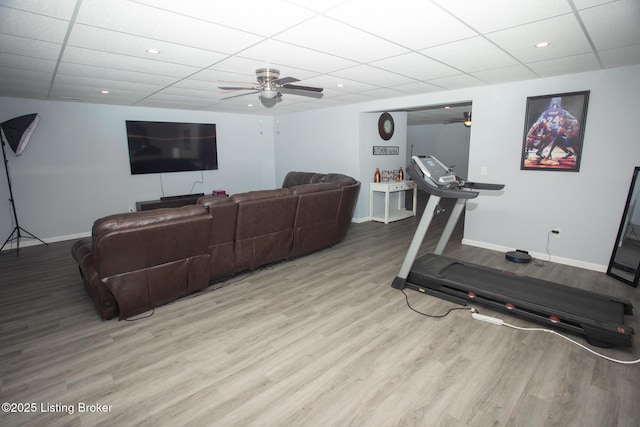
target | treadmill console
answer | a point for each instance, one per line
(435, 173)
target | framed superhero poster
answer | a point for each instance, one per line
(553, 132)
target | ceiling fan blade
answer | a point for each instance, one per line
(285, 80)
(298, 92)
(242, 94)
(307, 88)
(236, 88)
(232, 81)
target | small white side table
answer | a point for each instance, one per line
(392, 187)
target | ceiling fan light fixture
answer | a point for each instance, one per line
(268, 93)
(467, 119)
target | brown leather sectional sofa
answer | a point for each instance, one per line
(136, 261)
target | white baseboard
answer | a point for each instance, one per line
(541, 256)
(361, 220)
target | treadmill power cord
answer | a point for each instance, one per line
(434, 316)
(500, 322)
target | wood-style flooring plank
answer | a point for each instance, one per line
(321, 340)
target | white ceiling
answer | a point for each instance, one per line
(357, 50)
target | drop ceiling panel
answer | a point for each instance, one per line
(295, 56)
(134, 46)
(104, 75)
(374, 76)
(503, 13)
(620, 57)
(29, 47)
(622, 15)
(62, 9)
(413, 24)
(32, 25)
(566, 65)
(520, 41)
(416, 66)
(469, 55)
(457, 82)
(96, 58)
(416, 87)
(330, 82)
(125, 16)
(20, 62)
(246, 15)
(506, 74)
(327, 35)
(90, 84)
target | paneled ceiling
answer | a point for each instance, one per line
(357, 50)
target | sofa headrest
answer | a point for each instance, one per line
(138, 219)
(260, 194)
(339, 179)
(313, 188)
(300, 178)
(211, 200)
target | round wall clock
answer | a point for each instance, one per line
(385, 126)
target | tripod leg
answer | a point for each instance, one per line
(32, 236)
(11, 238)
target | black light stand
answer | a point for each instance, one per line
(17, 131)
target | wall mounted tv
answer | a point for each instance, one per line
(156, 147)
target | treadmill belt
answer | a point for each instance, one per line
(536, 291)
(510, 287)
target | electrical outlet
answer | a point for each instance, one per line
(555, 232)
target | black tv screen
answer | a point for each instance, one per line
(156, 147)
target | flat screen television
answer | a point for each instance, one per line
(157, 147)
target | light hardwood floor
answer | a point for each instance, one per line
(322, 340)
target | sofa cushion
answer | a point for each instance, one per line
(316, 221)
(264, 227)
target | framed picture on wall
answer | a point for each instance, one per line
(553, 132)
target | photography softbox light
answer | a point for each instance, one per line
(18, 131)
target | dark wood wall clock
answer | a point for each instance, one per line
(386, 126)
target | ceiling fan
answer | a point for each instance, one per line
(465, 120)
(269, 85)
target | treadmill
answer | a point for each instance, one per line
(599, 318)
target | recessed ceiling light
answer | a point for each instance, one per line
(104, 92)
(153, 51)
(542, 44)
(447, 107)
(249, 105)
(340, 85)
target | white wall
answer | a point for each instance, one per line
(75, 168)
(586, 206)
(321, 141)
